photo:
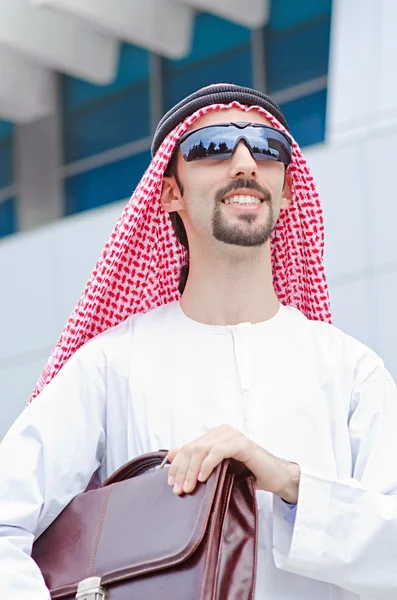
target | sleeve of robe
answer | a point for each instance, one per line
(47, 457)
(345, 532)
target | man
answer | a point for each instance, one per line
(244, 364)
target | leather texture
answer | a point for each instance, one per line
(145, 542)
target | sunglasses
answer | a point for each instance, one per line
(220, 141)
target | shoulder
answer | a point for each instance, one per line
(114, 345)
(335, 350)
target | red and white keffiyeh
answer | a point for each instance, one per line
(139, 267)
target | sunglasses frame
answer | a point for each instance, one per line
(237, 125)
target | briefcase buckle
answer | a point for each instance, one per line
(90, 589)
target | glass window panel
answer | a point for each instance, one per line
(6, 129)
(285, 14)
(6, 153)
(99, 118)
(8, 218)
(6, 162)
(306, 118)
(133, 69)
(235, 67)
(221, 52)
(108, 124)
(105, 184)
(212, 35)
(295, 56)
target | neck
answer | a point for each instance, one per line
(229, 290)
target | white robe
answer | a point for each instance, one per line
(303, 390)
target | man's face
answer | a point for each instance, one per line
(208, 205)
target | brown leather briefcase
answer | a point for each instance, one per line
(133, 539)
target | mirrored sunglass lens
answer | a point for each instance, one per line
(219, 142)
(267, 144)
(208, 143)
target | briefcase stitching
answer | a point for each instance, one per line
(251, 484)
(99, 531)
(227, 485)
(229, 482)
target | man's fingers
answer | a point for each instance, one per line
(177, 471)
(191, 463)
(172, 453)
(215, 457)
(197, 457)
(185, 468)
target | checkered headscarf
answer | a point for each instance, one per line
(139, 267)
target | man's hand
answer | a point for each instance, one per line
(196, 461)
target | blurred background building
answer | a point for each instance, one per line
(83, 84)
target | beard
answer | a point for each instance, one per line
(248, 234)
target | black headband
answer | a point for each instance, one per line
(216, 94)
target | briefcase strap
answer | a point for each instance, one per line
(90, 589)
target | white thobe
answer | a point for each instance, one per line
(303, 390)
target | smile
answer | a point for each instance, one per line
(242, 199)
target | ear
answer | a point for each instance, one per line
(170, 199)
(287, 192)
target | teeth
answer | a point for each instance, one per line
(242, 200)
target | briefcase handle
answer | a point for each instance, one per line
(137, 466)
(141, 464)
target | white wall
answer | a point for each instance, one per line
(43, 272)
(362, 68)
(356, 172)
(360, 215)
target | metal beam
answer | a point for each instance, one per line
(26, 89)
(58, 41)
(162, 26)
(250, 13)
(258, 59)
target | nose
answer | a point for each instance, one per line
(242, 164)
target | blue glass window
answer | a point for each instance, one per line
(306, 117)
(105, 184)
(99, 118)
(297, 40)
(221, 53)
(8, 217)
(286, 14)
(297, 55)
(6, 162)
(6, 152)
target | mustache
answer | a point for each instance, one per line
(239, 184)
